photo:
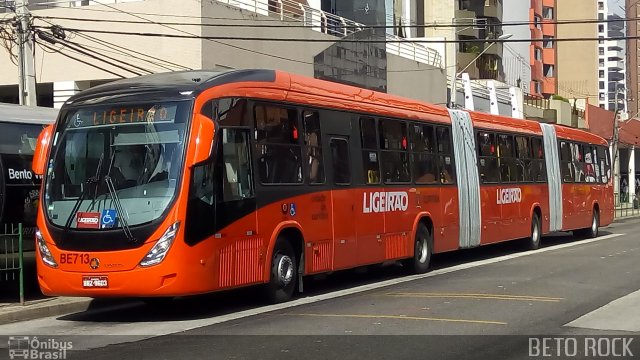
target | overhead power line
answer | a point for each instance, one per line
(129, 53)
(353, 26)
(211, 39)
(119, 64)
(382, 40)
(119, 50)
(51, 48)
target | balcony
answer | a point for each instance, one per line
(616, 76)
(615, 65)
(548, 28)
(549, 56)
(549, 86)
(465, 17)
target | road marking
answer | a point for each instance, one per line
(477, 296)
(158, 328)
(402, 317)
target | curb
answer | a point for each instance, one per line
(43, 308)
(623, 218)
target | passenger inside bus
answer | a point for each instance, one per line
(142, 164)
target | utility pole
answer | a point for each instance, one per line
(26, 66)
(614, 143)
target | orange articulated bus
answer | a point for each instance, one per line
(193, 182)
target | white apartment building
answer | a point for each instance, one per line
(611, 61)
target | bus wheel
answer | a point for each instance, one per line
(284, 272)
(592, 231)
(422, 253)
(536, 233)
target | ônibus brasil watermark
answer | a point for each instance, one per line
(32, 347)
(584, 346)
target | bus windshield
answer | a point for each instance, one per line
(19, 139)
(115, 166)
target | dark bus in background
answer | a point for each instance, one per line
(19, 186)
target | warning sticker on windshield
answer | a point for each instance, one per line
(108, 219)
(88, 220)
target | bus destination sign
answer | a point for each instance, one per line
(124, 115)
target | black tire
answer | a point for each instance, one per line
(533, 243)
(593, 231)
(284, 273)
(423, 248)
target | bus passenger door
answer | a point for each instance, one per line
(342, 204)
(236, 208)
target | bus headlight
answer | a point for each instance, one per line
(45, 253)
(160, 249)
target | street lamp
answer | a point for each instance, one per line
(454, 83)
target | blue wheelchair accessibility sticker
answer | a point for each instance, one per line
(108, 219)
(292, 209)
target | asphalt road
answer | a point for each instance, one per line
(497, 302)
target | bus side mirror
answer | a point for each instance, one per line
(202, 139)
(40, 155)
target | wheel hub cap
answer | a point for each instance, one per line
(285, 270)
(423, 251)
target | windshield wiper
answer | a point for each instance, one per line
(86, 184)
(116, 201)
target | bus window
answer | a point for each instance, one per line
(422, 138)
(394, 144)
(368, 133)
(487, 159)
(523, 159)
(78, 168)
(237, 182)
(507, 163)
(445, 160)
(589, 164)
(313, 147)
(603, 160)
(565, 162)
(577, 162)
(340, 155)
(278, 148)
(425, 169)
(370, 162)
(19, 139)
(393, 135)
(231, 112)
(538, 164)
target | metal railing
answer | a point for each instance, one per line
(625, 208)
(11, 256)
(321, 21)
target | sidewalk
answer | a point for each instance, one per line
(40, 308)
(55, 306)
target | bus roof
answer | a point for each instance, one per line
(172, 83)
(27, 114)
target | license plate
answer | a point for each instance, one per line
(95, 282)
